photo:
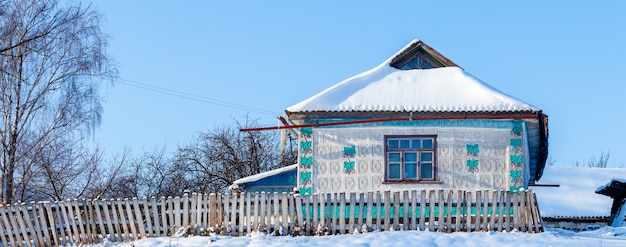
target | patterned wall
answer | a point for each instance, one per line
(352, 159)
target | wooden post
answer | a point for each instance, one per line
(185, 202)
(212, 211)
(256, 207)
(7, 215)
(342, 210)
(431, 215)
(370, 209)
(414, 210)
(20, 221)
(501, 209)
(406, 202)
(332, 205)
(131, 220)
(315, 218)
(166, 225)
(233, 214)
(140, 218)
(396, 210)
(494, 200)
(300, 216)
(423, 210)
(285, 211)
(53, 230)
(242, 200)
(351, 212)
(440, 216)
(113, 235)
(172, 214)
(361, 212)
(249, 221)
(449, 211)
(522, 210)
(387, 211)
(458, 222)
(468, 211)
(306, 213)
(35, 229)
(262, 209)
(199, 211)
(507, 211)
(155, 216)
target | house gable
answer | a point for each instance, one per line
(420, 56)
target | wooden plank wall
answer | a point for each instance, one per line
(75, 222)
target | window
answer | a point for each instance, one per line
(410, 158)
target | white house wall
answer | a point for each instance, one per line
(328, 174)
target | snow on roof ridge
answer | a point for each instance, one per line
(396, 90)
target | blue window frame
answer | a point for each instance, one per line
(410, 158)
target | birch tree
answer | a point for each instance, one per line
(52, 62)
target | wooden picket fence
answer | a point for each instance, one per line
(74, 222)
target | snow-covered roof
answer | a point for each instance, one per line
(262, 175)
(576, 195)
(388, 89)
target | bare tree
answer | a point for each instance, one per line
(52, 61)
(217, 158)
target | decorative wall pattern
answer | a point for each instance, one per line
(353, 159)
(305, 173)
(516, 157)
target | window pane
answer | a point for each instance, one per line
(394, 171)
(410, 170)
(427, 143)
(410, 157)
(426, 170)
(426, 156)
(392, 144)
(415, 143)
(405, 144)
(393, 157)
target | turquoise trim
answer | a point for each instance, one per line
(516, 174)
(472, 163)
(348, 165)
(517, 159)
(472, 149)
(466, 123)
(306, 131)
(307, 161)
(349, 150)
(379, 211)
(305, 146)
(516, 142)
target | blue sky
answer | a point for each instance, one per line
(214, 62)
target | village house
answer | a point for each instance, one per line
(416, 121)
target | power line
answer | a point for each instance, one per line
(195, 97)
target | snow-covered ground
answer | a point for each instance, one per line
(607, 236)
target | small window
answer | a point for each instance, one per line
(410, 158)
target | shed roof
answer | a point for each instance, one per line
(416, 79)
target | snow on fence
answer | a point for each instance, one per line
(91, 221)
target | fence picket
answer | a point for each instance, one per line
(422, 210)
(387, 210)
(351, 212)
(285, 209)
(468, 211)
(323, 210)
(164, 217)
(342, 217)
(367, 207)
(146, 212)
(249, 221)
(431, 212)
(233, 214)
(396, 210)
(449, 211)
(4, 228)
(305, 213)
(315, 217)
(440, 217)
(406, 202)
(68, 225)
(242, 200)
(298, 200)
(213, 211)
